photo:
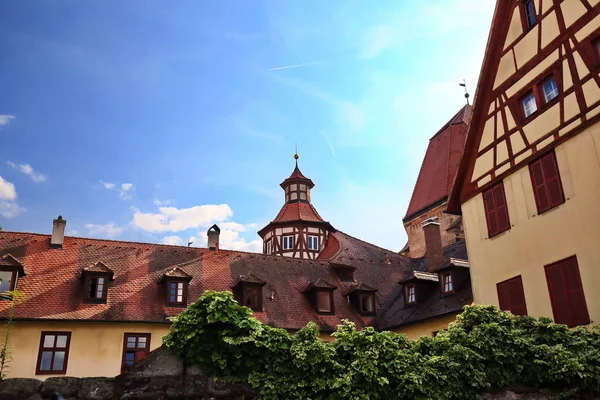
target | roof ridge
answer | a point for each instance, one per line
(370, 244)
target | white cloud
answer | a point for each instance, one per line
(379, 39)
(230, 239)
(173, 240)
(108, 185)
(5, 119)
(171, 219)
(126, 189)
(72, 232)
(29, 171)
(9, 209)
(160, 203)
(7, 190)
(107, 230)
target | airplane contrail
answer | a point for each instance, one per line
(294, 66)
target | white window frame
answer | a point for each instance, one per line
(287, 242)
(269, 247)
(447, 282)
(313, 242)
(553, 93)
(529, 105)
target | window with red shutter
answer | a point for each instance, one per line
(511, 296)
(496, 211)
(566, 293)
(545, 179)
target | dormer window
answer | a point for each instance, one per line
(96, 288)
(324, 301)
(252, 296)
(320, 294)
(248, 292)
(10, 271)
(362, 296)
(447, 285)
(96, 278)
(410, 294)
(176, 283)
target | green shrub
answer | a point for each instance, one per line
(484, 348)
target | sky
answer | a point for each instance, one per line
(150, 121)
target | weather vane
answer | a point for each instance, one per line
(464, 84)
(296, 156)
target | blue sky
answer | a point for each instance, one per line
(150, 120)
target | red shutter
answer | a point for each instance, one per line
(558, 295)
(501, 208)
(496, 212)
(552, 178)
(140, 355)
(547, 186)
(511, 296)
(577, 305)
(539, 186)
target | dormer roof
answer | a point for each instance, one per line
(98, 268)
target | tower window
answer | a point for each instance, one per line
(313, 242)
(288, 242)
(269, 247)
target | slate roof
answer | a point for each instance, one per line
(438, 170)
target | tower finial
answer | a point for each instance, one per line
(464, 84)
(296, 156)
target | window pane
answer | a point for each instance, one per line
(131, 342)
(59, 359)
(530, 12)
(45, 361)
(100, 288)
(529, 105)
(302, 195)
(61, 341)
(49, 341)
(550, 90)
(141, 342)
(323, 301)
(6, 276)
(367, 303)
(129, 358)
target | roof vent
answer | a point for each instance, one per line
(213, 237)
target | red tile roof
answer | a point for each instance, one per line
(54, 289)
(438, 170)
(298, 211)
(297, 177)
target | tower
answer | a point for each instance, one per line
(297, 231)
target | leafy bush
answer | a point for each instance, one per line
(484, 348)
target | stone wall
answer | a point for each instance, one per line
(161, 376)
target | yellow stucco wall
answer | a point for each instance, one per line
(427, 327)
(537, 240)
(96, 348)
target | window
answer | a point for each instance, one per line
(496, 212)
(529, 104)
(8, 282)
(288, 242)
(511, 296)
(136, 347)
(324, 301)
(96, 288)
(252, 297)
(529, 8)
(54, 353)
(176, 292)
(549, 89)
(346, 274)
(547, 187)
(447, 286)
(409, 294)
(313, 242)
(596, 44)
(566, 293)
(269, 247)
(366, 303)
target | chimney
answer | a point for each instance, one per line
(433, 243)
(58, 232)
(213, 237)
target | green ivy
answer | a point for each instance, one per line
(484, 348)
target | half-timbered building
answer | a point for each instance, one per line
(528, 185)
